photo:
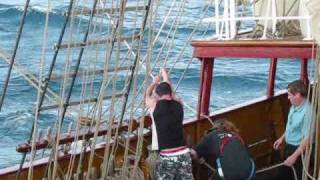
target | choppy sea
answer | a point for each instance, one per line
(235, 80)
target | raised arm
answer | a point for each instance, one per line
(165, 75)
(149, 99)
(166, 78)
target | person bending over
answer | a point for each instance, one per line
(223, 149)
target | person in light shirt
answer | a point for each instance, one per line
(297, 130)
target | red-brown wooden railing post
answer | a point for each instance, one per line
(204, 92)
(205, 86)
(304, 71)
(272, 76)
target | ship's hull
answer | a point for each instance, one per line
(260, 122)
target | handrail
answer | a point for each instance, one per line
(208, 50)
(69, 138)
(253, 43)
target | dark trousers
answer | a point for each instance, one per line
(287, 172)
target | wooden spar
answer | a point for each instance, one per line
(100, 40)
(99, 11)
(69, 138)
(83, 73)
(74, 103)
(65, 139)
(29, 77)
(272, 77)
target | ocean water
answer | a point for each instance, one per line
(235, 80)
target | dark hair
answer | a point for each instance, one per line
(297, 86)
(163, 88)
(225, 125)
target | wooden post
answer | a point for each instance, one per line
(204, 92)
(205, 86)
(272, 76)
(204, 95)
(304, 71)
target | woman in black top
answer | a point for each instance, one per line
(224, 149)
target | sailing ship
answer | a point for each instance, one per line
(104, 74)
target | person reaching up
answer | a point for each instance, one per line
(174, 160)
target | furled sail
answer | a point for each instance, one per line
(283, 18)
(313, 7)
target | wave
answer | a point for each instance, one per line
(36, 14)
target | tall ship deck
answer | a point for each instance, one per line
(103, 60)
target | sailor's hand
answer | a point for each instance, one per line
(277, 143)
(156, 80)
(164, 74)
(201, 160)
(163, 71)
(193, 153)
(290, 161)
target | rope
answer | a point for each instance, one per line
(269, 168)
(315, 116)
(9, 74)
(276, 166)
(127, 143)
(202, 161)
(14, 52)
(105, 83)
(92, 123)
(47, 79)
(83, 96)
(174, 24)
(304, 164)
(132, 74)
(115, 74)
(107, 160)
(72, 158)
(294, 173)
(28, 76)
(209, 167)
(148, 57)
(163, 24)
(42, 60)
(58, 124)
(179, 57)
(78, 63)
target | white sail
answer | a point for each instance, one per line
(292, 12)
(313, 7)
